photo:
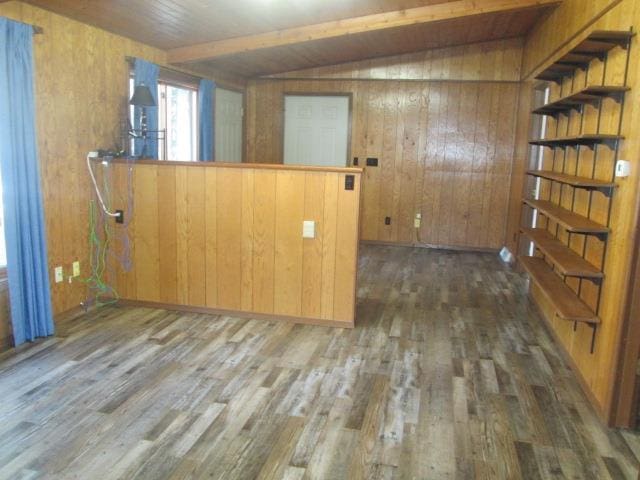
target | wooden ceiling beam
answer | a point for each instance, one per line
(350, 26)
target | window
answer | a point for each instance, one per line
(178, 116)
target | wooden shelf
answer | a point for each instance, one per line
(568, 262)
(596, 45)
(588, 140)
(571, 221)
(564, 300)
(576, 101)
(576, 182)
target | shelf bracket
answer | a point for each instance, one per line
(578, 108)
(612, 144)
(595, 280)
(577, 65)
(617, 97)
(602, 56)
(606, 191)
(601, 236)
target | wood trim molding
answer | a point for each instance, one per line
(627, 389)
(429, 246)
(237, 313)
(401, 80)
(350, 26)
(258, 166)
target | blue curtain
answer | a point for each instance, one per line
(205, 114)
(24, 229)
(147, 73)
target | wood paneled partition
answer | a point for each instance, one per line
(229, 237)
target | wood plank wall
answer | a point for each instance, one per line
(598, 370)
(81, 93)
(442, 125)
(230, 237)
(569, 19)
(496, 60)
(525, 131)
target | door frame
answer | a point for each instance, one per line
(349, 95)
(243, 134)
(626, 394)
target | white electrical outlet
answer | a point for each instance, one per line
(59, 274)
(76, 268)
(623, 168)
(416, 223)
(308, 229)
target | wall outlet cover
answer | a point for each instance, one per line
(59, 274)
(76, 268)
(308, 229)
(623, 168)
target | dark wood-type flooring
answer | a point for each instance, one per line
(448, 374)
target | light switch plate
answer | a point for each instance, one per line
(76, 268)
(308, 229)
(59, 274)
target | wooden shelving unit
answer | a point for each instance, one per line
(556, 260)
(574, 181)
(590, 140)
(565, 302)
(595, 46)
(570, 221)
(567, 262)
(587, 96)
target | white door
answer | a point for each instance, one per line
(316, 130)
(228, 126)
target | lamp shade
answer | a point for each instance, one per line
(142, 97)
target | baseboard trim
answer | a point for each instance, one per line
(238, 313)
(566, 357)
(70, 314)
(431, 246)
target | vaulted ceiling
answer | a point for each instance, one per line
(260, 37)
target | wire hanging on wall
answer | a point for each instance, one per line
(109, 242)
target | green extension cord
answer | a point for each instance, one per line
(104, 294)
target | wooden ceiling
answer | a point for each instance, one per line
(373, 44)
(261, 37)
(169, 24)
